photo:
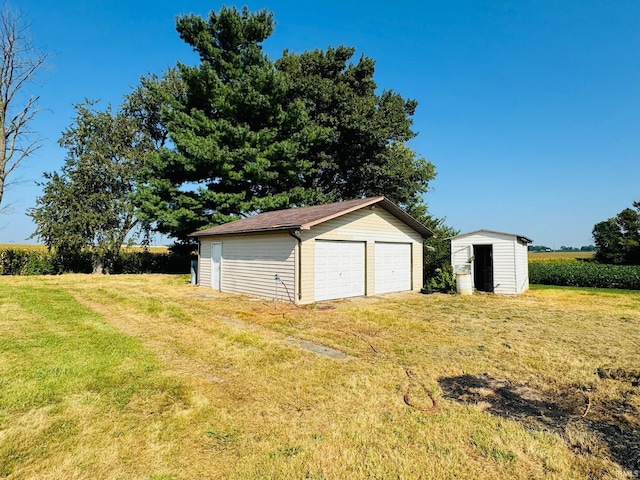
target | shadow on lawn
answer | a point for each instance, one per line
(613, 426)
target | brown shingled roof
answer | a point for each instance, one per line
(304, 218)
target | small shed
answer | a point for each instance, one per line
(497, 261)
(346, 249)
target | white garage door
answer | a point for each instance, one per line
(392, 267)
(339, 269)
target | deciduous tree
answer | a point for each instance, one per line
(19, 65)
(88, 204)
(618, 239)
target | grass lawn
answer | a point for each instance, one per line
(147, 377)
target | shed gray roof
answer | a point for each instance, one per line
(522, 238)
(303, 218)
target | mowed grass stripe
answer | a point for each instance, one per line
(63, 371)
(59, 347)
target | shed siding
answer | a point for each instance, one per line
(461, 252)
(249, 263)
(503, 267)
(510, 261)
(368, 225)
(522, 267)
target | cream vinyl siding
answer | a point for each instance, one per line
(204, 263)
(368, 225)
(249, 263)
(510, 262)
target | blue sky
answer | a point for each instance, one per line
(528, 109)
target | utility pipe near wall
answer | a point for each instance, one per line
(294, 234)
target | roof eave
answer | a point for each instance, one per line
(521, 238)
(283, 228)
(403, 216)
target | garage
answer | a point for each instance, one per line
(352, 248)
(392, 267)
(339, 269)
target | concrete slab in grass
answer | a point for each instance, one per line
(319, 349)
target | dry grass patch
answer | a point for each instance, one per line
(226, 394)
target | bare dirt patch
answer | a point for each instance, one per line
(587, 422)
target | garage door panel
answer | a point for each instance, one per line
(339, 269)
(392, 267)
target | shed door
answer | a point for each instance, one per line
(483, 267)
(216, 259)
(339, 269)
(393, 267)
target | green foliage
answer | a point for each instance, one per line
(437, 257)
(29, 262)
(238, 141)
(360, 148)
(539, 248)
(24, 262)
(251, 135)
(444, 280)
(87, 205)
(544, 248)
(147, 262)
(618, 238)
(585, 274)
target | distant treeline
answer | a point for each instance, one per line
(543, 248)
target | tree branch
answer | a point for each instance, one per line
(19, 65)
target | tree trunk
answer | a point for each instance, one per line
(98, 267)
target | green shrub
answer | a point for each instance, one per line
(14, 261)
(38, 263)
(443, 281)
(11, 261)
(35, 262)
(147, 262)
(585, 274)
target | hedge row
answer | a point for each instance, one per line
(34, 262)
(585, 274)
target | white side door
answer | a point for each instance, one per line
(216, 260)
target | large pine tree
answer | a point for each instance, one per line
(248, 134)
